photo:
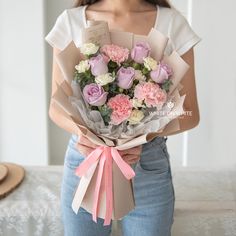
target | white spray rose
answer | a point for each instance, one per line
(89, 49)
(136, 103)
(150, 63)
(82, 66)
(135, 117)
(139, 76)
(104, 79)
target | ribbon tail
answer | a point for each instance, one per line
(85, 170)
(82, 188)
(125, 168)
(108, 186)
(88, 161)
(97, 188)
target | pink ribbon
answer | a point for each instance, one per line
(106, 155)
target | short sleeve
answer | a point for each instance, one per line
(60, 35)
(182, 35)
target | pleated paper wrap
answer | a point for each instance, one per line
(105, 188)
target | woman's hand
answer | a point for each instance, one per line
(131, 155)
(85, 146)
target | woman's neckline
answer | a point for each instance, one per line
(85, 21)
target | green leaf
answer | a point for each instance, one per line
(84, 78)
(136, 66)
(145, 71)
(106, 87)
(121, 90)
(166, 85)
(105, 113)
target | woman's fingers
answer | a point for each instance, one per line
(131, 159)
(84, 150)
(132, 162)
(130, 156)
(85, 141)
(135, 150)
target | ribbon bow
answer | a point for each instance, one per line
(104, 156)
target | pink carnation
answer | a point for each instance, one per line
(115, 53)
(121, 107)
(151, 93)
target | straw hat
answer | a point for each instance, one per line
(11, 175)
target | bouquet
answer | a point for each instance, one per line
(121, 84)
(119, 90)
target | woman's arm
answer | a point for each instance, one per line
(192, 117)
(55, 114)
(56, 73)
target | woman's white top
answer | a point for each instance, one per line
(169, 21)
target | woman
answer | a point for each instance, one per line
(153, 187)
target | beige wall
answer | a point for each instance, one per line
(23, 121)
(57, 138)
(211, 144)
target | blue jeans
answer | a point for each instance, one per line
(153, 191)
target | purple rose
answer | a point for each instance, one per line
(125, 77)
(162, 73)
(94, 94)
(140, 51)
(98, 65)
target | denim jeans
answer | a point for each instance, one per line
(154, 194)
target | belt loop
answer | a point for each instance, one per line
(165, 138)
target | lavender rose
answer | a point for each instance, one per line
(140, 50)
(94, 94)
(98, 65)
(125, 77)
(162, 73)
